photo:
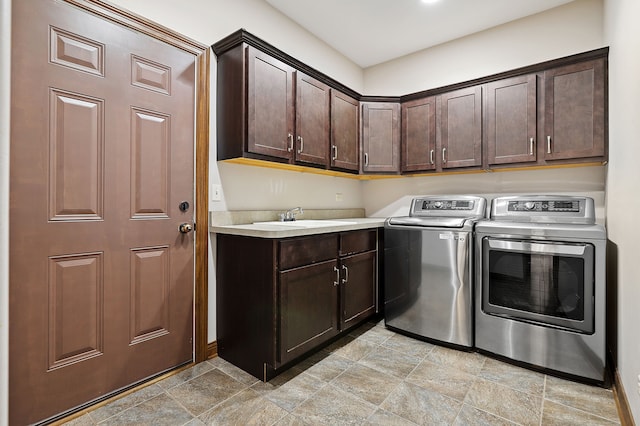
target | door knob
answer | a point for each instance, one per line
(185, 228)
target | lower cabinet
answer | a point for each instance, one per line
(279, 299)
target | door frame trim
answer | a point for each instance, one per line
(116, 14)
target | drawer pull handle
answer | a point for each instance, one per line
(531, 146)
(301, 144)
(431, 156)
(366, 159)
(444, 155)
(290, 137)
(548, 144)
(335, 152)
(346, 274)
(337, 271)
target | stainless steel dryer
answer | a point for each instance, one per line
(540, 285)
(428, 286)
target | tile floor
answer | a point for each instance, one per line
(372, 376)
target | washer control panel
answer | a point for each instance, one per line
(544, 209)
(461, 206)
(447, 205)
(544, 206)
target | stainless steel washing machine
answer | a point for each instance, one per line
(540, 284)
(428, 286)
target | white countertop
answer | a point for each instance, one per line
(275, 230)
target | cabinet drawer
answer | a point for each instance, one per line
(358, 241)
(307, 250)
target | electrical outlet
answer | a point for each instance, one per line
(339, 196)
(216, 192)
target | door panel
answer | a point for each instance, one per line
(312, 120)
(461, 128)
(102, 153)
(345, 125)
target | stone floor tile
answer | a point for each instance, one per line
(385, 418)
(442, 379)
(205, 391)
(505, 402)
(592, 399)
(245, 408)
(332, 406)
(470, 416)
(329, 368)
(557, 414)
(355, 349)
(295, 392)
(231, 370)
(391, 362)
(84, 420)
(469, 362)
(513, 376)
(421, 406)
(366, 383)
(408, 345)
(158, 411)
(185, 375)
(378, 334)
(276, 382)
(126, 402)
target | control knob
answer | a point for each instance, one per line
(437, 204)
(529, 205)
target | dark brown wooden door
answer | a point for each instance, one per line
(358, 288)
(574, 111)
(345, 125)
(308, 304)
(510, 116)
(270, 105)
(312, 120)
(419, 135)
(380, 137)
(461, 128)
(102, 148)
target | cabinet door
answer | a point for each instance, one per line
(461, 128)
(308, 308)
(574, 111)
(380, 137)
(269, 105)
(358, 288)
(418, 135)
(345, 123)
(511, 120)
(312, 120)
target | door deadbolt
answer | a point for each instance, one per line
(184, 206)
(185, 228)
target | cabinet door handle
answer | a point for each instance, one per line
(548, 144)
(290, 137)
(431, 156)
(335, 152)
(346, 274)
(366, 159)
(531, 146)
(444, 155)
(337, 271)
(301, 140)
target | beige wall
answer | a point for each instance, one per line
(565, 30)
(623, 200)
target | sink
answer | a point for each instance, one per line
(304, 223)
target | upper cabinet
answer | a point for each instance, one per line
(380, 137)
(460, 125)
(575, 111)
(273, 107)
(345, 135)
(270, 106)
(510, 120)
(418, 140)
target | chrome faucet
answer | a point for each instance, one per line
(290, 215)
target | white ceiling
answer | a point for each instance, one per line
(373, 31)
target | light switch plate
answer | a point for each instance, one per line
(216, 192)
